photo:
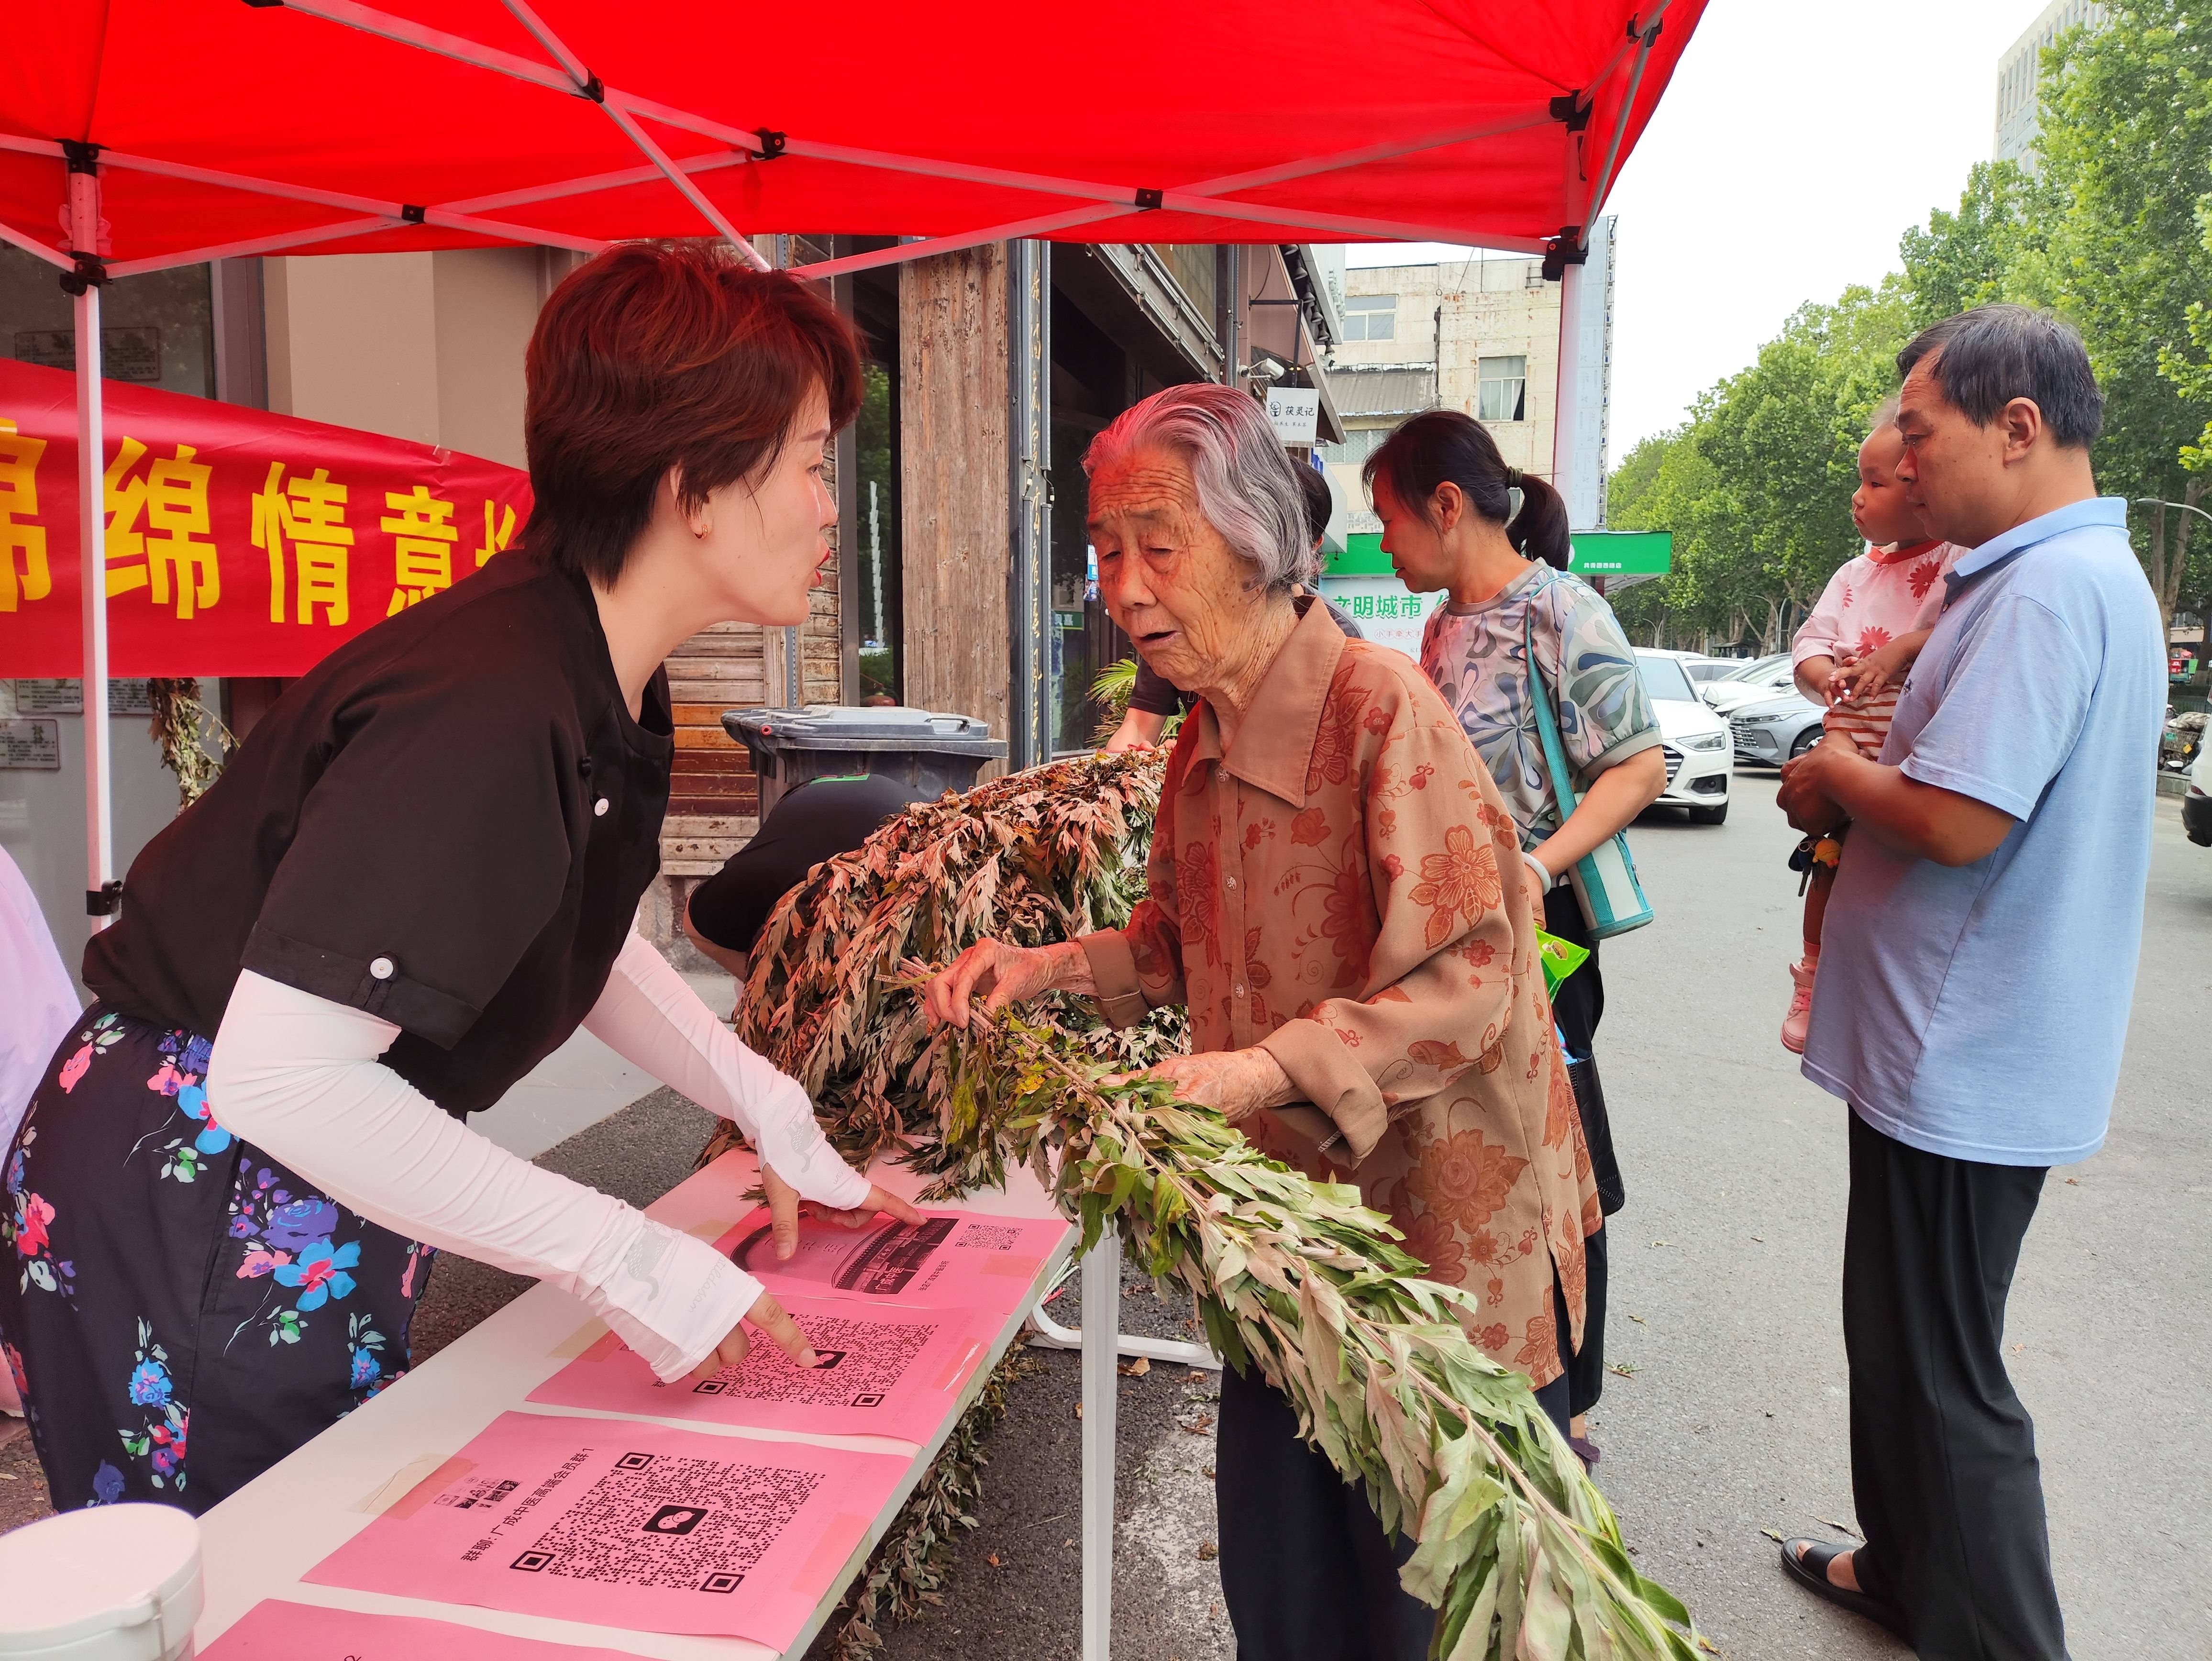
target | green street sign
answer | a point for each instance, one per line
(1597, 553)
(1622, 553)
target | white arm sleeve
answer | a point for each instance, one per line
(649, 1016)
(298, 1076)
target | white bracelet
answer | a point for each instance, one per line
(1544, 878)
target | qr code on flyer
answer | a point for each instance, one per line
(672, 1524)
(989, 1237)
(860, 1362)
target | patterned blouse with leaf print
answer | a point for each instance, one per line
(1345, 887)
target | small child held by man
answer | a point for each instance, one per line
(1852, 656)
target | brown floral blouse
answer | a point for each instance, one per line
(1346, 888)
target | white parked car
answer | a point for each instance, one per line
(1752, 683)
(1696, 665)
(1693, 739)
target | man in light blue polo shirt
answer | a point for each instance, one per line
(1977, 968)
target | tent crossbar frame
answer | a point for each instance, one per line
(275, 242)
(398, 212)
(1644, 30)
(1195, 198)
(30, 245)
(588, 86)
(574, 78)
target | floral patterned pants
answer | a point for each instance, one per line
(180, 1311)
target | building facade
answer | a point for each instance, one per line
(2020, 70)
(961, 579)
(1480, 334)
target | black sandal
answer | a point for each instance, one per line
(1810, 1571)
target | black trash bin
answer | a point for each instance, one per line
(927, 752)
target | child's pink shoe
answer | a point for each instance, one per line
(1801, 1008)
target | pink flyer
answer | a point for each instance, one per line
(627, 1525)
(956, 1258)
(886, 1370)
(275, 1631)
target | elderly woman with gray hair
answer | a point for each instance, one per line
(1337, 894)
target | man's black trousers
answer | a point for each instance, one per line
(1943, 1461)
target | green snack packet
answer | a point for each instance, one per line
(1561, 958)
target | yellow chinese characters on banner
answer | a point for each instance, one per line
(24, 573)
(195, 504)
(423, 534)
(495, 540)
(304, 520)
(172, 558)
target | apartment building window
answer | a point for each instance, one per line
(1371, 317)
(1502, 388)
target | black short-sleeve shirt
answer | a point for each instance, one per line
(819, 820)
(448, 824)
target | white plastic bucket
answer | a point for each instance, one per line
(110, 1583)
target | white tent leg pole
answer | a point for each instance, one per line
(92, 574)
(1102, 1314)
(1566, 424)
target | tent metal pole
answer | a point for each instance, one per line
(1389, 229)
(900, 253)
(1566, 421)
(578, 79)
(1101, 1384)
(398, 212)
(254, 245)
(30, 244)
(1646, 29)
(622, 109)
(92, 574)
(584, 187)
(588, 85)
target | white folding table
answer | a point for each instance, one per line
(259, 1541)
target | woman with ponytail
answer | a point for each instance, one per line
(1455, 517)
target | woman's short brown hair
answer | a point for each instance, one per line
(660, 354)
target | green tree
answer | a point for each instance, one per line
(1756, 486)
(1983, 252)
(2126, 148)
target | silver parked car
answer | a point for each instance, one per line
(1773, 732)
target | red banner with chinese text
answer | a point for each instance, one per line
(237, 543)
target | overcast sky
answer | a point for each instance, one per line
(1793, 146)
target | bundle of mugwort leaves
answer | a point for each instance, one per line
(1519, 1552)
(1035, 858)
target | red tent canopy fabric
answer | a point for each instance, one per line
(235, 127)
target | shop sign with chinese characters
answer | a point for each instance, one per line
(236, 543)
(1385, 612)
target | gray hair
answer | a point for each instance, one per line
(1246, 490)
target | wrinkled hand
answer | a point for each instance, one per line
(1804, 798)
(1009, 974)
(1239, 1082)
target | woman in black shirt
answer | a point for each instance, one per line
(415, 881)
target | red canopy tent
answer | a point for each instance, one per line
(137, 135)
